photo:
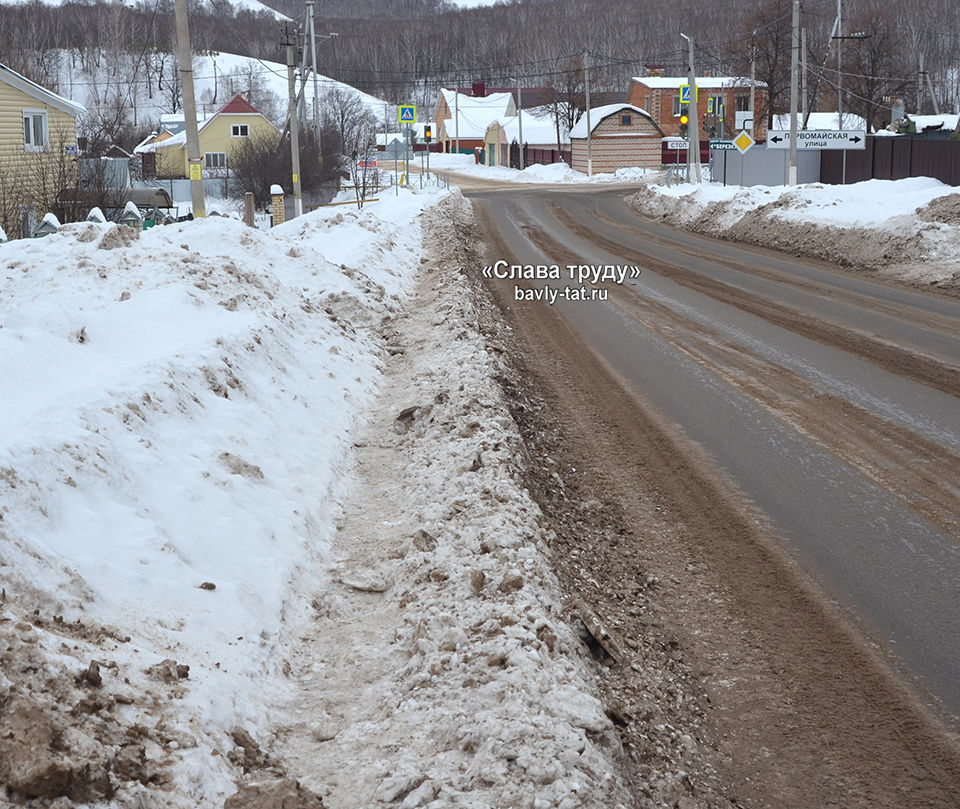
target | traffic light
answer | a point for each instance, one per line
(683, 125)
(427, 133)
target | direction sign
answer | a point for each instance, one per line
(722, 145)
(408, 114)
(743, 141)
(818, 139)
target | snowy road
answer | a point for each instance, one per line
(824, 402)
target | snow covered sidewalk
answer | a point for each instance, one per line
(909, 229)
(438, 671)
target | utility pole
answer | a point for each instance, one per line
(520, 121)
(920, 87)
(693, 123)
(313, 64)
(194, 158)
(291, 47)
(753, 81)
(840, 70)
(794, 69)
(803, 75)
(586, 79)
(456, 116)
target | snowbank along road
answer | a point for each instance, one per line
(779, 441)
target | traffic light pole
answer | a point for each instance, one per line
(693, 130)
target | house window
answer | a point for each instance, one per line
(36, 135)
(743, 103)
(715, 106)
(240, 131)
(215, 160)
(676, 106)
(625, 120)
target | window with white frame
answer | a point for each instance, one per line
(215, 160)
(676, 106)
(36, 133)
(240, 131)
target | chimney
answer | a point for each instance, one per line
(479, 89)
(654, 70)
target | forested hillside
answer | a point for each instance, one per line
(406, 49)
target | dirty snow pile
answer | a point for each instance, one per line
(441, 670)
(908, 228)
(177, 408)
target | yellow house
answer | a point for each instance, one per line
(165, 155)
(38, 147)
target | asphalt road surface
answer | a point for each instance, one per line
(825, 402)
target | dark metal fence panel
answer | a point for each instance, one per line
(894, 158)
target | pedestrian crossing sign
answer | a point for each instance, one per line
(685, 94)
(408, 114)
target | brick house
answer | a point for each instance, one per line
(623, 135)
(723, 104)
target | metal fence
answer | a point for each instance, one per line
(894, 158)
(762, 166)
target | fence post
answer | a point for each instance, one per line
(248, 209)
(276, 199)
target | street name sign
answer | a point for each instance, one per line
(818, 139)
(722, 145)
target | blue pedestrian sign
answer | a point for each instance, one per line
(685, 94)
(408, 114)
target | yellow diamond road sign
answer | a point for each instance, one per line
(743, 141)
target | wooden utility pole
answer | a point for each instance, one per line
(291, 47)
(194, 158)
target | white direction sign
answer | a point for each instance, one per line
(818, 139)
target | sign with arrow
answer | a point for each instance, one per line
(818, 139)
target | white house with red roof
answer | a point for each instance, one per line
(165, 155)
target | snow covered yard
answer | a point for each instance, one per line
(262, 522)
(909, 229)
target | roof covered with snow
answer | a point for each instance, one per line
(821, 120)
(495, 103)
(536, 130)
(597, 114)
(708, 82)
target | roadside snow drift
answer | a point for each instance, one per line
(909, 228)
(176, 411)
